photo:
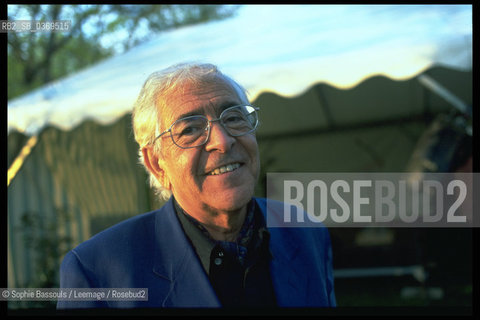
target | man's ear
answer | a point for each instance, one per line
(152, 162)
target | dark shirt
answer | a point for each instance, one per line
(238, 271)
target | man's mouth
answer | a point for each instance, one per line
(224, 169)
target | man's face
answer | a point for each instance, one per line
(189, 171)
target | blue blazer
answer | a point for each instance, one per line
(152, 251)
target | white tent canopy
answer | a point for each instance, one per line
(283, 49)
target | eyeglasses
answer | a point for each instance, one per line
(194, 131)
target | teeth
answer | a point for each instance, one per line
(227, 168)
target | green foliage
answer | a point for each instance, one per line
(42, 238)
(97, 32)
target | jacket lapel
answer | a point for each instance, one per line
(289, 277)
(175, 261)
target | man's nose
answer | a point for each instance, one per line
(219, 138)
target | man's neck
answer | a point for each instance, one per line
(225, 227)
(221, 225)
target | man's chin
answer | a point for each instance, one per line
(232, 200)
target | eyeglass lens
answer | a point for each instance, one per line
(193, 131)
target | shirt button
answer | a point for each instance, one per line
(218, 261)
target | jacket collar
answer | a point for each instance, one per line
(175, 261)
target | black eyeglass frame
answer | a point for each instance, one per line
(208, 127)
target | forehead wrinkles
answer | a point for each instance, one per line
(192, 96)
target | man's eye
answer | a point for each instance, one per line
(234, 118)
(190, 130)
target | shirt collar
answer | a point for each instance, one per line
(247, 239)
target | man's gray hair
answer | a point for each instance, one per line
(152, 98)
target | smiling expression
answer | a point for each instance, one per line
(219, 176)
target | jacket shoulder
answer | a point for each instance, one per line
(119, 246)
(283, 215)
(121, 234)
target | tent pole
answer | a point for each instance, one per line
(20, 159)
(443, 92)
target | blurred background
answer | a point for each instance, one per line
(342, 88)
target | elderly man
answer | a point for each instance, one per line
(208, 246)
